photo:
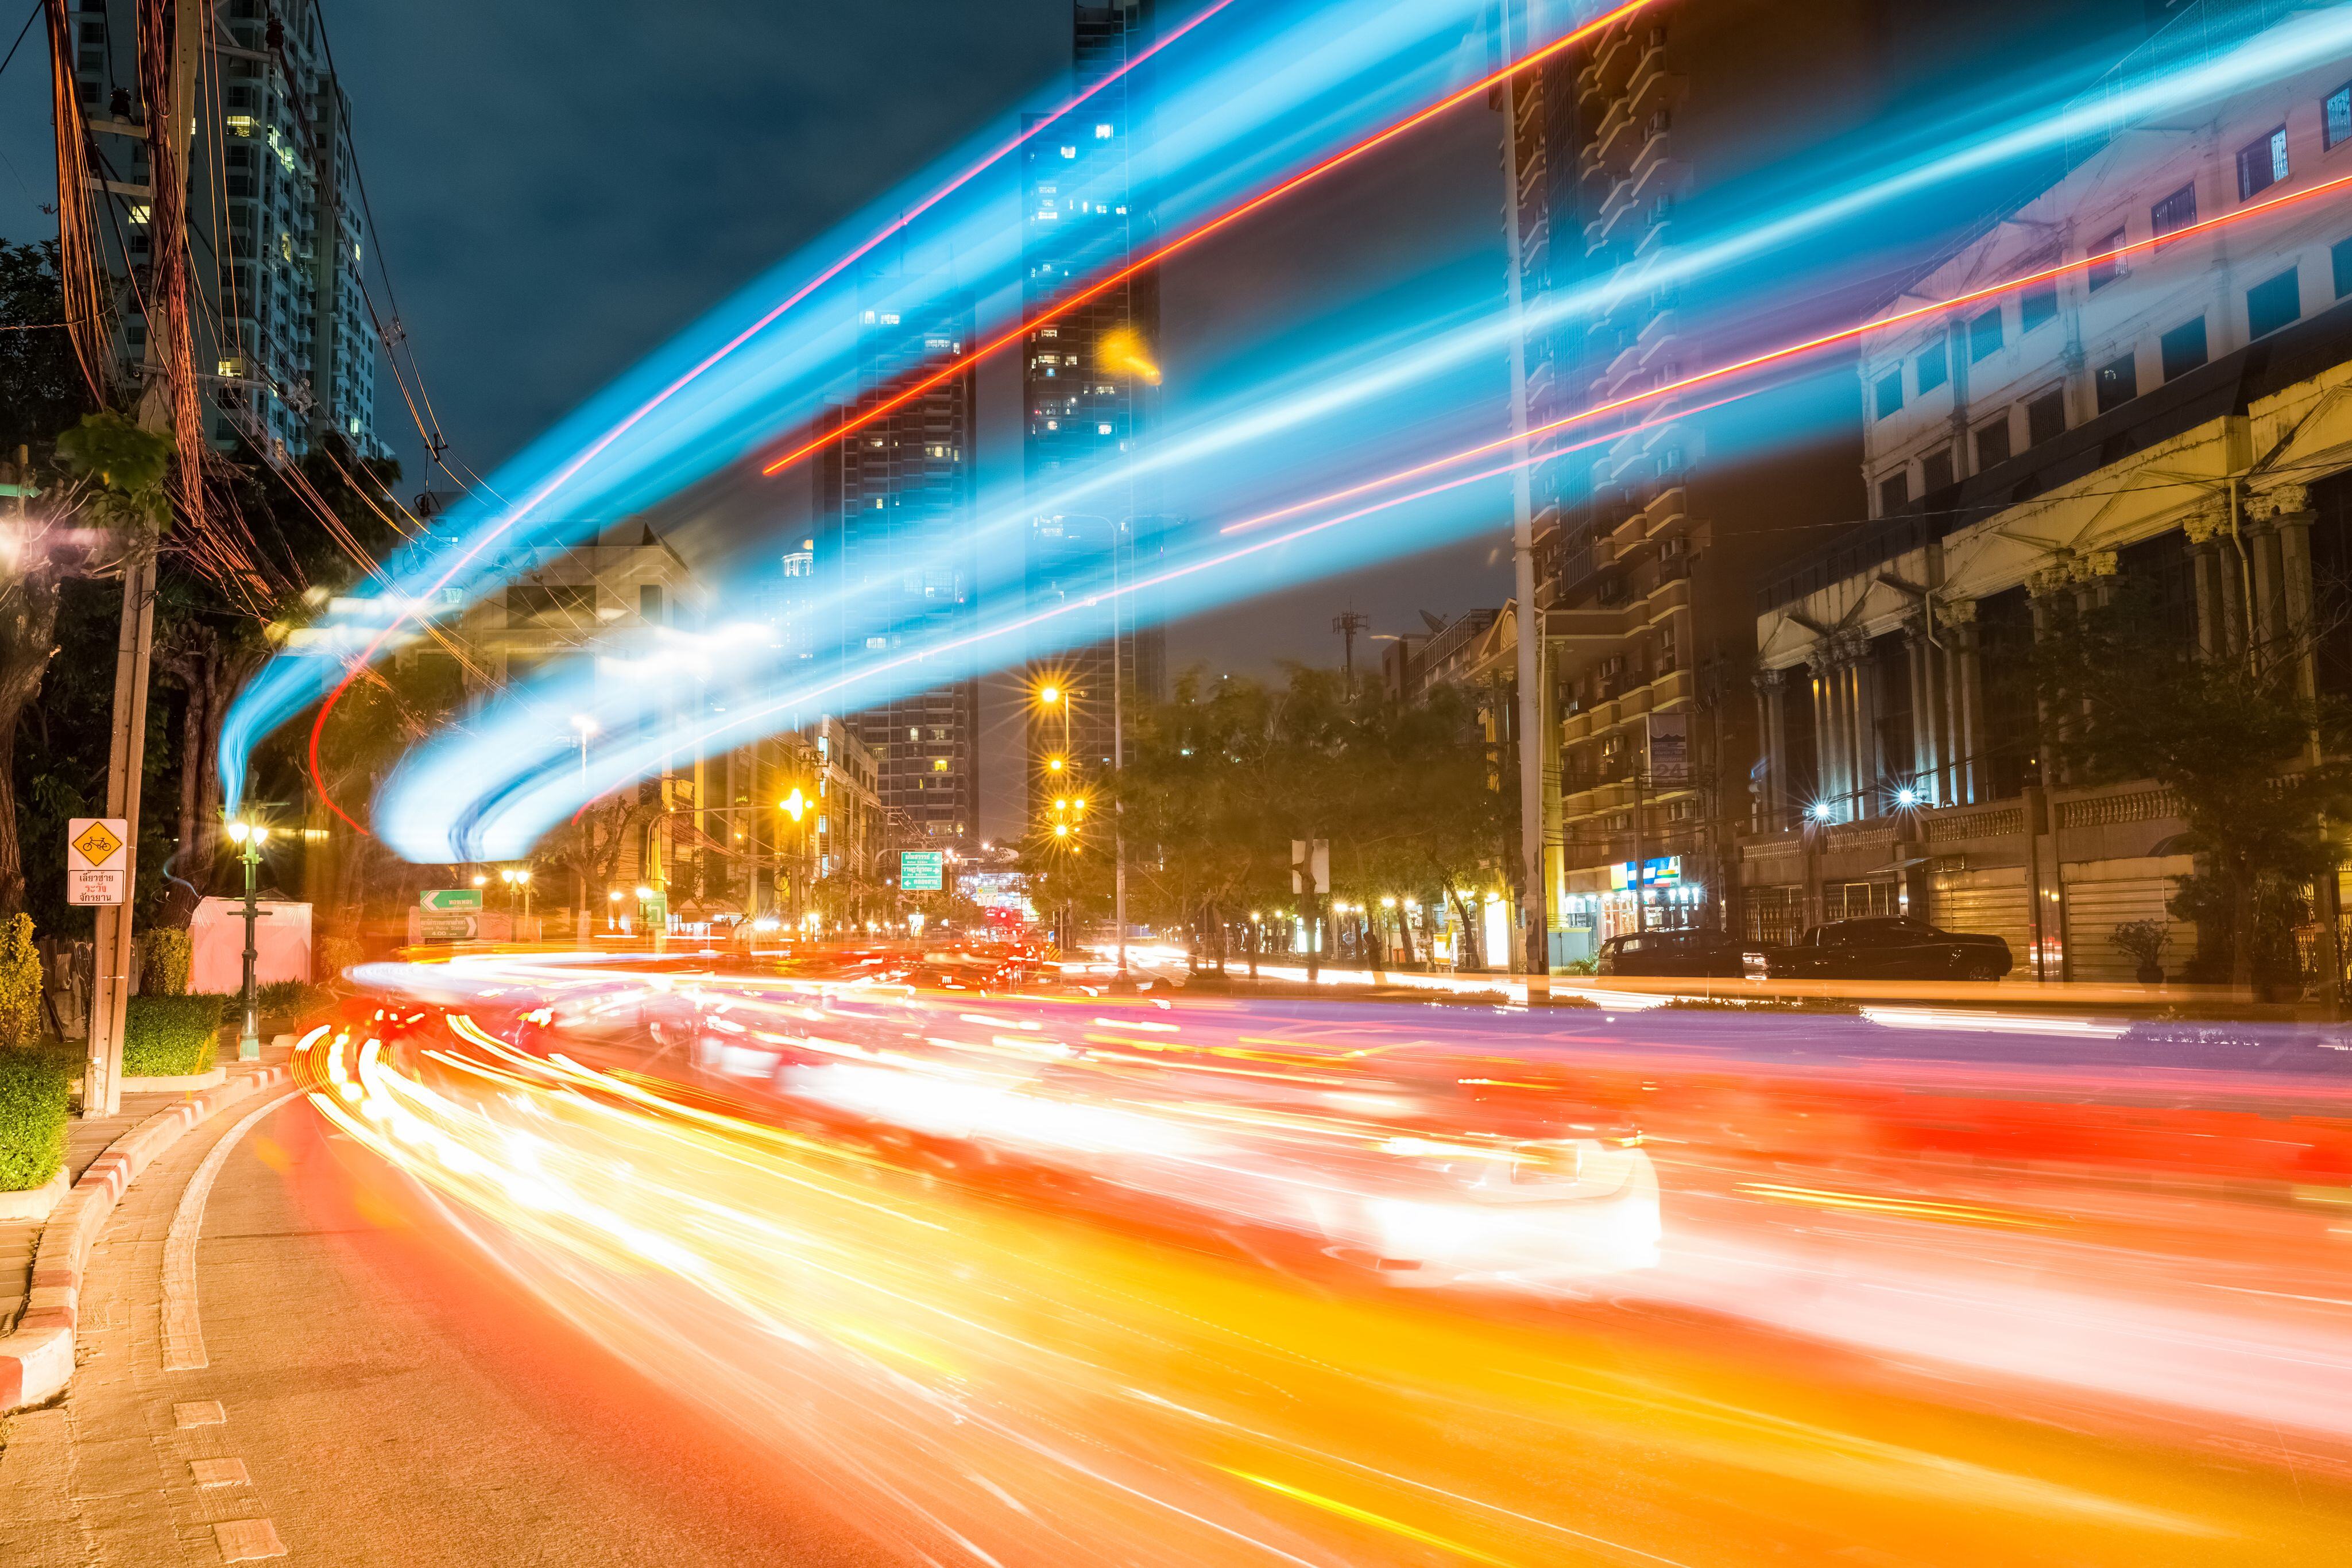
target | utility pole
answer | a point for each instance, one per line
(1534, 957)
(1348, 622)
(170, 127)
(1119, 752)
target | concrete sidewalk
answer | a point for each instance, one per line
(86, 1139)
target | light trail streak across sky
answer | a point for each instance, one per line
(978, 1363)
(464, 797)
(1160, 253)
(1234, 110)
(2269, 54)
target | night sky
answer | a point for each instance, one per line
(559, 189)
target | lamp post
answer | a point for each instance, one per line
(248, 837)
(584, 727)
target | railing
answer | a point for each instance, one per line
(2105, 811)
(1976, 822)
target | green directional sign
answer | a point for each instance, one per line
(451, 900)
(921, 870)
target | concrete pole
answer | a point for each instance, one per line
(1533, 895)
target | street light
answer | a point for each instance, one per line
(248, 837)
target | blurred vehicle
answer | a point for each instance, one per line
(1672, 953)
(1888, 947)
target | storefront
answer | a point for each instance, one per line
(1667, 902)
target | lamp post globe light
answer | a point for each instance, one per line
(248, 837)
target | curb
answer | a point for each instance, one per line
(36, 1361)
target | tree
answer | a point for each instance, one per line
(1414, 800)
(2255, 762)
(104, 499)
(41, 387)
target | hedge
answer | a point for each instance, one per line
(170, 1037)
(33, 1088)
(20, 983)
(288, 1000)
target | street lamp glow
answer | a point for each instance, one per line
(1907, 797)
(795, 805)
(1061, 830)
(1819, 810)
(480, 880)
(584, 723)
(1049, 696)
(1053, 765)
(644, 893)
(614, 896)
(1388, 901)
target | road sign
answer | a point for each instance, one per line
(450, 900)
(921, 870)
(434, 925)
(98, 863)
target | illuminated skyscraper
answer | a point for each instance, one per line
(893, 557)
(283, 344)
(1089, 380)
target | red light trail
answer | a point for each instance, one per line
(1773, 356)
(588, 455)
(958, 364)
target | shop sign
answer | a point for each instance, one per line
(1664, 872)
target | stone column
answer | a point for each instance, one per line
(1920, 655)
(2299, 619)
(2262, 618)
(1772, 706)
(1964, 696)
(2205, 555)
(1824, 675)
(1868, 768)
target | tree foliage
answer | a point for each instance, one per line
(1414, 800)
(2254, 760)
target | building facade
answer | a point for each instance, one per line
(2178, 421)
(1088, 380)
(284, 344)
(894, 564)
(1645, 547)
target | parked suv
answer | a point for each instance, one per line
(1670, 953)
(1888, 947)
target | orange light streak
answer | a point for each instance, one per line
(1772, 357)
(958, 364)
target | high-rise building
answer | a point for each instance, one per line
(893, 555)
(1646, 548)
(282, 339)
(1088, 383)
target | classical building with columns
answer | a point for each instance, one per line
(2180, 418)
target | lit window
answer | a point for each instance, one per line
(2103, 273)
(938, 765)
(142, 213)
(2339, 117)
(1102, 429)
(2176, 211)
(241, 125)
(232, 369)
(1070, 151)
(1102, 133)
(2262, 163)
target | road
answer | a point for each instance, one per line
(392, 1399)
(484, 1297)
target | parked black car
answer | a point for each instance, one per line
(1671, 953)
(1888, 947)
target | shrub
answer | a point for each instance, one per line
(335, 955)
(289, 998)
(33, 1088)
(171, 1037)
(169, 953)
(20, 983)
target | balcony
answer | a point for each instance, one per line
(1620, 54)
(1651, 87)
(1671, 687)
